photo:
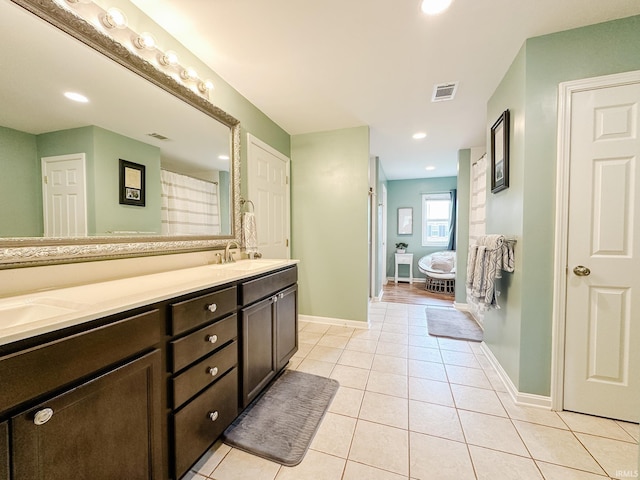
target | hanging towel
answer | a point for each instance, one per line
(487, 259)
(249, 232)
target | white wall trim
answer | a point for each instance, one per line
(333, 321)
(463, 307)
(525, 399)
(560, 268)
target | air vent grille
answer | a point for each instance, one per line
(444, 91)
(158, 136)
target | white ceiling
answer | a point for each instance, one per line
(322, 65)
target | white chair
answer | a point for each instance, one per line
(440, 269)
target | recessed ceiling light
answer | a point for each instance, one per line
(419, 135)
(430, 167)
(434, 7)
(76, 97)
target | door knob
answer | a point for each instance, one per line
(581, 271)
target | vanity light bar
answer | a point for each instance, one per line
(115, 22)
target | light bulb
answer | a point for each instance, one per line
(145, 40)
(205, 85)
(169, 58)
(188, 74)
(114, 18)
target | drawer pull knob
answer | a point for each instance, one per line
(213, 371)
(213, 416)
(212, 338)
(212, 307)
(43, 416)
(281, 296)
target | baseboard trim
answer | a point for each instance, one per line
(463, 307)
(524, 399)
(333, 321)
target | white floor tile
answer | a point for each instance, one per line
(602, 427)
(238, 465)
(558, 472)
(334, 435)
(385, 409)
(430, 391)
(436, 420)
(477, 400)
(387, 364)
(347, 401)
(616, 457)
(472, 377)
(494, 465)
(358, 471)
(428, 370)
(438, 458)
(388, 383)
(380, 446)
(314, 466)
(350, 376)
(492, 432)
(351, 358)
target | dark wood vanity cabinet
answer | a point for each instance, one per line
(269, 329)
(204, 373)
(143, 394)
(85, 405)
(4, 450)
(108, 427)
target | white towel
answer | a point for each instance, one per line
(487, 259)
(249, 232)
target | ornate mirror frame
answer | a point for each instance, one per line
(24, 252)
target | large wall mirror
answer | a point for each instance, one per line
(60, 186)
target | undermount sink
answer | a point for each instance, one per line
(33, 310)
(249, 265)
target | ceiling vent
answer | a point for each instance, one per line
(444, 91)
(158, 136)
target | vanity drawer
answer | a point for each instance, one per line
(190, 348)
(203, 373)
(203, 420)
(196, 311)
(44, 368)
(264, 286)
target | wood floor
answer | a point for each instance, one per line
(414, 294)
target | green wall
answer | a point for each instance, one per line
(21, 199)
(520, 333)
(329, 204)
(408, 193)
(462, 223)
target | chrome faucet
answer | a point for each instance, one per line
(228, 255)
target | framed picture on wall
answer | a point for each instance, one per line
(500, 153)
(405, 221)
(132, 186)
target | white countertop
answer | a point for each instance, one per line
(25, 316)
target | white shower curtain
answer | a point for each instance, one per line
(189, 205)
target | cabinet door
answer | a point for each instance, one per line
(286, 326)
(258, 345)
(106, 428)
(4, 451)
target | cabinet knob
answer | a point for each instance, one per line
(213, 416)
(281, 296)
(212, 307)
(213, 371)
(212, 338)
(43, 416)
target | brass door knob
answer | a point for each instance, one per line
(581, 271)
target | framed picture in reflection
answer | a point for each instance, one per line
(132, 183)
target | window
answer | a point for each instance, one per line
(436, 217)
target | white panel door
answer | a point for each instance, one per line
(602, 358)
(64, 196)
(268, 189)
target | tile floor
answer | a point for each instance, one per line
(411, 406)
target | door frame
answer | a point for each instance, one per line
(560, 268)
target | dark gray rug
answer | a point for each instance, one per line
(280, 424)
(452, 323)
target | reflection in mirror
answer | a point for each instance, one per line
(60, 157)
(119, 116)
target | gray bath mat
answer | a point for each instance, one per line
(280, 424)
(452, 323)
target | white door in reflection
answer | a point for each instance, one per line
(268, 189)
(64, 196)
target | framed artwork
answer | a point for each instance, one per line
(132, 183)
(500, 153)
(405, 221)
